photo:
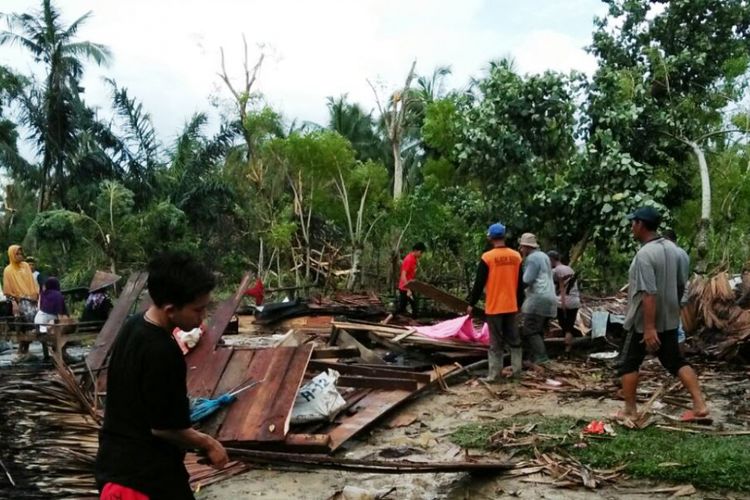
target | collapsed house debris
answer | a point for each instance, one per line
(377, 368)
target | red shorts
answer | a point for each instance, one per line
(114, 491)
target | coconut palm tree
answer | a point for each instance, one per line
(54, 45)
(352, 122)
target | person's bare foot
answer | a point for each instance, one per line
(625, 414)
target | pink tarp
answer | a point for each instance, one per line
(459, 328)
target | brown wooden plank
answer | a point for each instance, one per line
(453, 303)
(217, 323)
(311, 443)
(97, 357)
(236, 373)
(335, 352)
(229, 380)
(378, 383)
(280, 413)
(202, 381)
(268, 419)
(235, 419)
(369, 409)
(364, 371)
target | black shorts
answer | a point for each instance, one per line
(403, 301)
(567, 320)
(634, 351)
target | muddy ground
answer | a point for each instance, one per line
(435, 416)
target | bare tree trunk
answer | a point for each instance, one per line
(394, 117)
(356, 257)
(705, 222)
(398, 170)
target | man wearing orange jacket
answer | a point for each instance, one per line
(497, 275)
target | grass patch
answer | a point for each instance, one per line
(708, 462)
(478, 435)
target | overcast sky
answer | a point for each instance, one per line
(166, 52)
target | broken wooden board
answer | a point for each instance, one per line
(368, 410)
(452, 302)
(205, 363)
(366, 371)
(262, 413)
(343, 339)
(97, 358)
(378, 383)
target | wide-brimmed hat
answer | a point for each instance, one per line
(528, 240)
(102, 280)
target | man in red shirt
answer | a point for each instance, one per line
(408, 273)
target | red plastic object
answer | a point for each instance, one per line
(595, 427)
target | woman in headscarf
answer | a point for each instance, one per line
(51, 304)
(21, 287)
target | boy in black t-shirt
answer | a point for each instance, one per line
(147, 416)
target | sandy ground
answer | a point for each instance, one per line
(427, 438)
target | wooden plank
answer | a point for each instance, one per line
(283, 402)
(257, 362)
(453, 303)
(202, 381)
(216, 325)
(364, 326)
(268, 419)
(97, 358)
(310, 443)
(233, 376)
(344, 339)
(377, 382)
(369, 409)
(335, 352)
(370, 371)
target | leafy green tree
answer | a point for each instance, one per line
(515, 134)
(681, 65)
(54, 45)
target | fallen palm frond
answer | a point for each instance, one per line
(49, 437)
(715, 314)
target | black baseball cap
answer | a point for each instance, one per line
(646, 214)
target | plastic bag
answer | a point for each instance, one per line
(318, 399)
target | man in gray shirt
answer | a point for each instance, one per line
(540, 304)
(656, 281)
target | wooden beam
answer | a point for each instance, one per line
(386, 467)
(378, 383)
(370, 372)
(453, 303)
(123, 305)
(335, 352)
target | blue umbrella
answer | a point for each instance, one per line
(203, 408)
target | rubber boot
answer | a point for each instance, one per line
(494, 366)
(538, 351)
(516, 361)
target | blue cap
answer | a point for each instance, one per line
(496, 231)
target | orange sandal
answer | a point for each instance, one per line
(696, 418)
